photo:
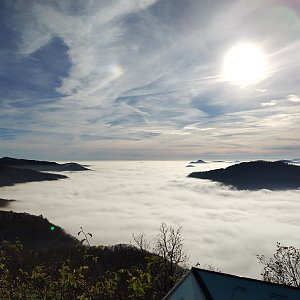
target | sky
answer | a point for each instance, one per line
(133, 79)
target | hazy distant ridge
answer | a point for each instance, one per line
(255, 175)
(40, 165)
(11, 176)
(199, 161)
(5, 202)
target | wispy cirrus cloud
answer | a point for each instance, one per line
(119, 68)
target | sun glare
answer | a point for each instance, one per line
(244, 64)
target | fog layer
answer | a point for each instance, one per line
(222, 227)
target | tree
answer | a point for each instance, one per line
(140, 240)
(169, 246)
(284, 267)
(165, 266)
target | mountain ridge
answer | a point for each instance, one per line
(11, 176)
(255, 175)
(40, 165)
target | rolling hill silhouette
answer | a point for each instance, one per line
(39, 165)
(5, 202)
(199, 161)
(34, 232)
(11, 176)
(255, 175)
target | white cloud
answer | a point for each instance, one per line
(93, 41)
(270, 103)
(294, 98)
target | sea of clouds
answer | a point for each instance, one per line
(222, 227)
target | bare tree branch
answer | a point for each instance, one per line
(284, 267)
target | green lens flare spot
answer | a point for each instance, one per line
(52, 228)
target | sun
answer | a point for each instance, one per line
(244, 64)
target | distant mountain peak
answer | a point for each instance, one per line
(199, 161)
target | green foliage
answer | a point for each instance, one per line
(164, 266)
(49, 264)
(86, 236)
(78, 274)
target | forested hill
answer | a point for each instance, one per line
(11, 176)
(255, 175)
(37, 258)
(34, 232)
(40, 165)
(5, 202)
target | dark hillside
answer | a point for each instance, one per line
(34, 232)
(5, 202)
(118, 272)
(40, 165)
(44, 260)
(52, 242)
(11, 176)
(256, 175)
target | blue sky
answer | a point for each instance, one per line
(136, 79)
